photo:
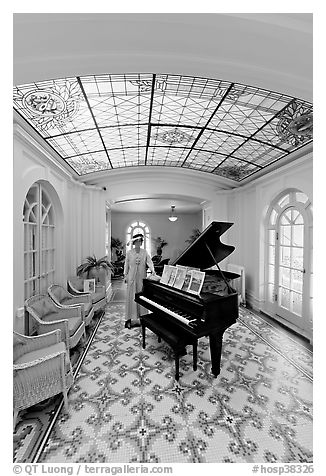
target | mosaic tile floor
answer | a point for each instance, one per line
(125, 405)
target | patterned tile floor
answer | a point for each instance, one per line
(125, 405)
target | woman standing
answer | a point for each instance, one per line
(134, 273)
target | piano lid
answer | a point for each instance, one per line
(197, 254)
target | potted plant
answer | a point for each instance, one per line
(95, 268)
(117, 245)
(159, 243)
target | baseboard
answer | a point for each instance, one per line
(253, 302)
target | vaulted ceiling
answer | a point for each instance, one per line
(228, 95)
(98, 123)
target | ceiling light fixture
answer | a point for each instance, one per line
(173, 217)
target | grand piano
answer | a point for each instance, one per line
(212, 311)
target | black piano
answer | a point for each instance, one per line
(212, 311)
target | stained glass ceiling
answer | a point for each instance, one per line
(105, 122)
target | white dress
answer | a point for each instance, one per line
(135, 272)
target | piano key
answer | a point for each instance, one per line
(188, 322)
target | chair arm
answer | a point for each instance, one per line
(37, 342)
(41, 360)
(72, 290)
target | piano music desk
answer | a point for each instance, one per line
(172, 336)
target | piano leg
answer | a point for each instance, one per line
(194, 355)
(215, 344)
(176, 358)
(143, 328)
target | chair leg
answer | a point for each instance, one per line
(65, 399)
(15, 418)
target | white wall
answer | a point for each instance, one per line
(80, 214)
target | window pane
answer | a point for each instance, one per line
(298, 219)
(285, 235)
(284, 201)
(301, 197)
(297, 258)
(285, 298)
(285, 255)
(298, 235)
(297, 303)
(286, 218)
(296, 280)
(284, 274)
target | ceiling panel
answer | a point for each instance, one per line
(103, 122)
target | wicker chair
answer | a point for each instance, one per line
(42, 369)
(75, 286)
(64, 299)
(46, 316)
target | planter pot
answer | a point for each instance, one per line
(100, 275)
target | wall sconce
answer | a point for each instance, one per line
(172, 216)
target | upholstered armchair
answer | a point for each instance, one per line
(46, 316)
(63, 299)
(41, 369)
(75, 286)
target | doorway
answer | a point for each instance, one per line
(289, 270)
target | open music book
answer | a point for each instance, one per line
(180, 277)
(166, 273)
(196, 281)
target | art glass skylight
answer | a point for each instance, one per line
(105, 122)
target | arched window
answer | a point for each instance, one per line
(139, 227)
(289, 258)
(39, 247)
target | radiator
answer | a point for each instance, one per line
(239, 284)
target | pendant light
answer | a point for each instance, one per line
(173, 216)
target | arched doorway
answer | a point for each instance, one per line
(289, 260)
(39, 240)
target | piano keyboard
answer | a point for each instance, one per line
(188, 322)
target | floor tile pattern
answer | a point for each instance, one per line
(126, 406)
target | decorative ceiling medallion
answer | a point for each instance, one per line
(295, 124)
(302, 125)
(235, 94)
(145, 85)
(53, 106)
(232, 172)
(44, 103)
(172, 137)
